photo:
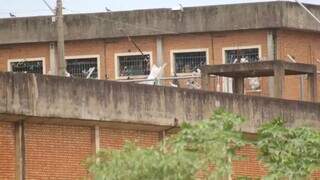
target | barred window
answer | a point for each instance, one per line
(35, 66)
(134, 65)
(250, 55)
(187, 62)
(83, 67)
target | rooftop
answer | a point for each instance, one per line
(263, 15)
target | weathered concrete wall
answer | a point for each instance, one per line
(48, 96)
(161, 21)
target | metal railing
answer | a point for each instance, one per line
(188, 62)
(27, 67)
(134, 65)
(81, 68)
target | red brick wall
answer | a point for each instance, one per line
(305, 47)
(56, 151)
(115, 138)
(7, 150)
(85, 48)
(249, 166)
(23, 51)
(122, 45)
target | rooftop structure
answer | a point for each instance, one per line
(277, 68)
(263, 15)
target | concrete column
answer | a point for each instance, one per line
(95, 139)
(279, 78)
(159, 62)
(205, 81)
(52, 60)
(301, 79)
(159, 51)
(20, 150)
(238, 85)
(271, 44)
(312, 86)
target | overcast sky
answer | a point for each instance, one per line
(37, 7)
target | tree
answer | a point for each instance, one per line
(184, 155)
(288, 152)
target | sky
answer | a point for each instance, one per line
(22, 8)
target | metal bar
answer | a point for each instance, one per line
(164, 78)
(308, 11)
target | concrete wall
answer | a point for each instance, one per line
(48, 96)
(161, 21)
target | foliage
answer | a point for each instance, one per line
(288, 152)
(215, 142)
(193, 149)
(136, 163)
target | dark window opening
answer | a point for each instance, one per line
(189, 62)
(134, 65)
(27, 67)
(83, 68)
(242, 55)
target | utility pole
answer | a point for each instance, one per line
(60, 40)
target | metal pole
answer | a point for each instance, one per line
(60, 40)
(308, 11)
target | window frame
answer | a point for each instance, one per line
(43, 59)
(173, 61)
(240, 48)
(116, 64)
(225, 80)
(86, 57)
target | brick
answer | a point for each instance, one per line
(7, 151)
(56, 151)
(115, 138)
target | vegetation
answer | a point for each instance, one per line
(182, 157)
(291, 153)
(288, 152)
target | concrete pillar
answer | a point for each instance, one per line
(52, 60)
(279, 78)
(20, 150)
(301, 79)
(97, 138)
(205, 81)
(238, 85)
(160, 62)
(312, 86)
(271, 44)
(159, 51)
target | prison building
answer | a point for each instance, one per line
(49, 124)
